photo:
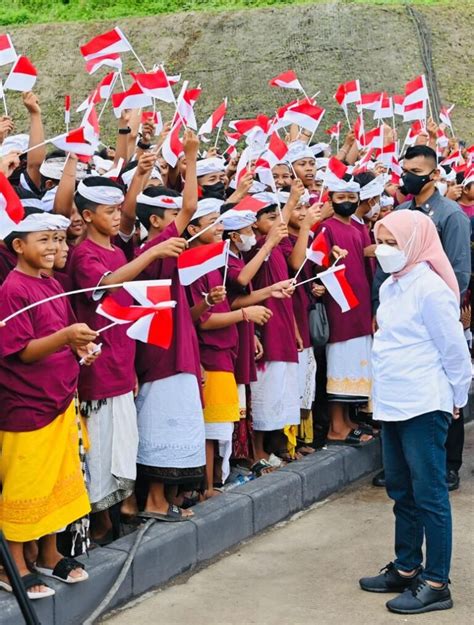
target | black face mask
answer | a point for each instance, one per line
(413, 183)
(345, 209)
(216, 190)
(286, 189)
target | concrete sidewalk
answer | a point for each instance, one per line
(305, 570)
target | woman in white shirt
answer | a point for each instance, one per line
(421, 377)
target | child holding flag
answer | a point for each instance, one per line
(43, 488)
(106, 389)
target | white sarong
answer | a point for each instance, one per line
(111, 462)
(349, 372)
(307, 378)
(171, 423)
(275, 396)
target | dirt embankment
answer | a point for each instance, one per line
(235, 53)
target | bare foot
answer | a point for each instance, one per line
(209, 493)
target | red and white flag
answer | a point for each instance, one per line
(398, 101)
(414, 110)
(7, 51)
(215, 120)
(452, 159)
(11, 208)
(151, 321)
(335, 281)
(110, 60)
(198, 261)
(133, 98)
(286, 80)
(361, 165)
(416, 90)
(185, 105)
(155, 118)
(67, 109)
(305, 114)
(385, 108)
(76, 142)
(22, 76)
(108, 43)
(385, 154)
(348, 92)
(415, 129)
(92, 98)
(106, 85)
(370, 101)
(319, 251)
(396, 170)
(232, 138)
(334, 131)
(157, 84)
(337, 167)
(248, 126)
(373, 138)
(249, 204)
(90, 124)
(445, 115)
(277, 150)
(172, 145)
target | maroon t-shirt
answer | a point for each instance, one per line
(155, 363)
(278, 334)
(245, 369)
(7, 262)
(217, 348)
(301, 299)
(32, 395)
(113, 373)
(358, 321)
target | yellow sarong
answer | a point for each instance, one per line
(43, 487)
(221, 398)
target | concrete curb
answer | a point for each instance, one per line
(168, 550)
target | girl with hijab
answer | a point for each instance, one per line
(421, 377)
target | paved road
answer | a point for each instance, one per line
(306, 570)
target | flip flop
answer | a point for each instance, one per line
(174, 515)
(30, 580)
(262, 467)
(352, 439)
(62, 569)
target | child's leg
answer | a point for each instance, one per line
(259, 452)
(101, 524)
(16, 551)
(338, 427)
(49, 556)
(210, 452)
(129, 506)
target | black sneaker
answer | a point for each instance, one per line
(421, 598)
(379, 480)
(453, 479)
(389, 580)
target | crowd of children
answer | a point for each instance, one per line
(95, 425)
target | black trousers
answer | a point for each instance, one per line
(455, 443)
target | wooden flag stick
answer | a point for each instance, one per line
(300, 270)
(109, 94)
(59, 295)
(226, 266)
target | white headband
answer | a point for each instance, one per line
(101, 194)
(207, 166)
(372, 189)
(160, 201)
(52, 168)
(236, 220)
(41, 222)
(298, 150)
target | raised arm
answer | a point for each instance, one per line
(190, 191)
(36, 156)
(64, 198)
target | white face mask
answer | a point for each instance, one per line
(374, 210)
(391, 259)
(442, 187)
(248, 241)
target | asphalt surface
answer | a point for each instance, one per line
(306, 569)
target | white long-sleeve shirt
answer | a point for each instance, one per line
(420, 359)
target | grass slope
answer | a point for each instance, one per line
(44, 11)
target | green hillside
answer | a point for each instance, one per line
(43, 11)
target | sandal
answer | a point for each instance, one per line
(353, 439)
(29, 581)
(174, 515)
(275, 461)
(262, 467)
(62, 569)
